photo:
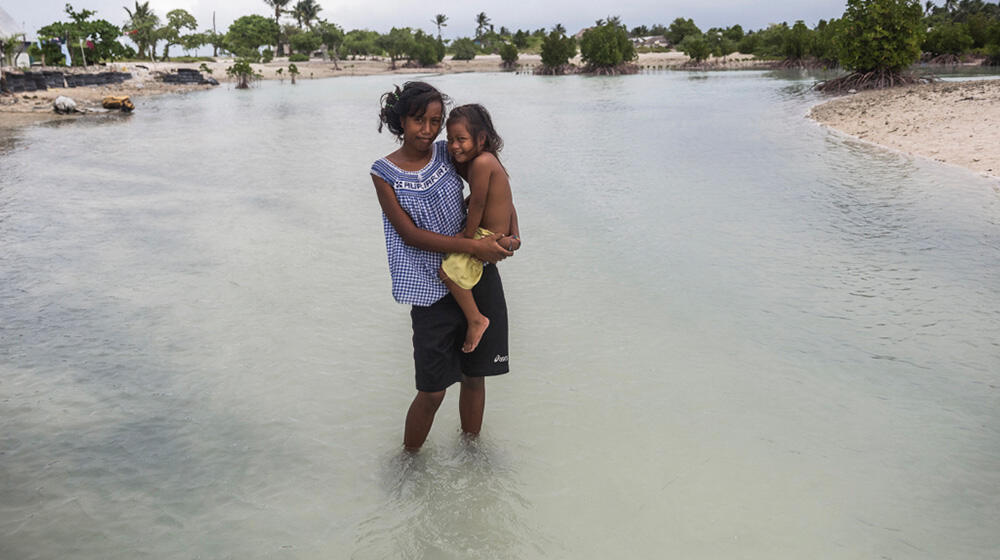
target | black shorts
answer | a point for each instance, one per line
(439, 331)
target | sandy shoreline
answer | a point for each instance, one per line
(37, 105)
(951, 122)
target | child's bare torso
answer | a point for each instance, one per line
(499, 207)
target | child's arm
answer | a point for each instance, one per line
(485, 249)
(479, 187)
(513, 240)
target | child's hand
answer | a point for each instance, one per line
(489, 249)
(510, 242)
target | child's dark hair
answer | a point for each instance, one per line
(477, 120)
(410, 101)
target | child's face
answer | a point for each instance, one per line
(420, 132)
(462, 146)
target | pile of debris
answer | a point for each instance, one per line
(186, 76)
(17, 82)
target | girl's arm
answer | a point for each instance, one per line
(485, 249)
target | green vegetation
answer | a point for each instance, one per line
(177, 21)
(880, 39)
(396, 43)
(305, 42)
(463, 49)
(607, 49)
(557, 49)
(298, 57)
(247, 34)
(142, 27)
(874, 38)
(88, 40)
(695, 46)
(10, 47)
(426, 50)
(508, 54)
(243, 73)
(680, 29)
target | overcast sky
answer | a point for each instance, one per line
(381, 15)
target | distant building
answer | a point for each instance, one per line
(651, 41)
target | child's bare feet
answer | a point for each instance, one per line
(475, 333)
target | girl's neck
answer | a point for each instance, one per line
(411, 159)
(412, 153)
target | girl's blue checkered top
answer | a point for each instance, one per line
(433, 199)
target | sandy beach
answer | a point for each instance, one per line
(950, 122)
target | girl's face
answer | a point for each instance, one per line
(462, 146)
(420, 132)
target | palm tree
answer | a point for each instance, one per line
(481, 22)
(305, 11)
(559, 29)
(279, 6)
(141, 27)
(439, 20)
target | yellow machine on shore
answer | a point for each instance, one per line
(121, 102)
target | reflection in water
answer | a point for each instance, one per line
(457, 503)
(8, 139)
(200, 357)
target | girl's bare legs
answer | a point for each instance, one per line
(471, 402)
(477, 322)
(419, 418)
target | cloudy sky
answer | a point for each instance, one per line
(381, 15)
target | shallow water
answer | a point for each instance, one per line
(735, 334)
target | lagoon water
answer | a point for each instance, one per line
(735, 334)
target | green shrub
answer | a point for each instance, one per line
(948, 38)
(508, 54)
(298, 57)
(426, 50)
(882, 35)
(463, 49)
(305, 43)
(606, 45)
(696, 47)
(243, 73)
(267, 55)
(557, 49)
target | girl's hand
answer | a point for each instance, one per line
(488, 250)
(510, 242)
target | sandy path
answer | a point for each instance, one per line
(951, 122)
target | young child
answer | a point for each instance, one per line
(474, 146)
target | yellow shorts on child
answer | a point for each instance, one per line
(464, 269)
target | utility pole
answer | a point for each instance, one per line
(215, 37)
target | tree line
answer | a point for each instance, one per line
(942, 33)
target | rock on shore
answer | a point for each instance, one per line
(951, 122)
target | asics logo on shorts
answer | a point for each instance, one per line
(499, 359)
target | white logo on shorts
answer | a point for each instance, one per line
(499, 359)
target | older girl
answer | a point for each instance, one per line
(420, 193)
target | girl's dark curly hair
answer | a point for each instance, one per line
(477, 120)
(409, 101)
